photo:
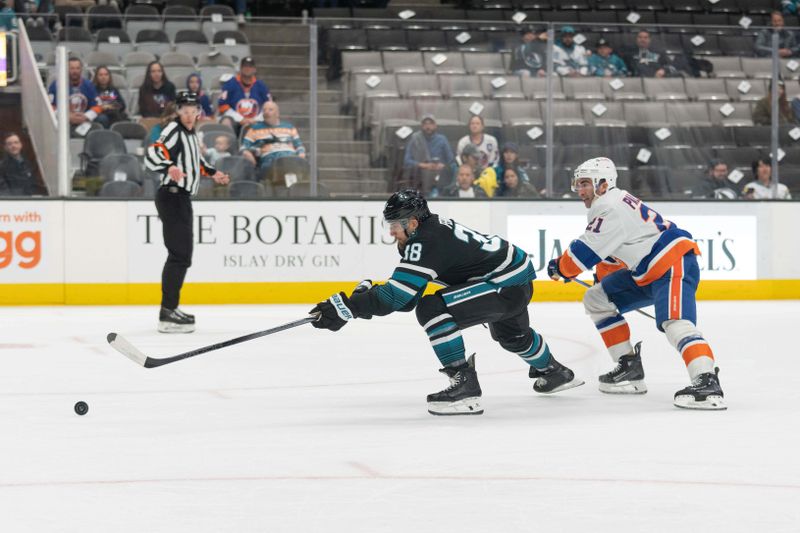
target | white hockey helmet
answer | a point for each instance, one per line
(597, 169)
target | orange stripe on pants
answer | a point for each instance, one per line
(675, 292)
(690, 353)
(616, 335)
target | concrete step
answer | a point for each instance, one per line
(273, 71)
(339, 173)
(327, 134)
(264, 33)
(290, 109)
(341, 122)
(355, 186)
(323, 95)
(292, 83)
(343, 147)
(343, 160)
(280, 50)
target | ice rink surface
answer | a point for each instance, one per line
(308, 430)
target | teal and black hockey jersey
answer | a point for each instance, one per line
(445, 252)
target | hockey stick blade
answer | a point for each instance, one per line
(119, 343)
(581, 282)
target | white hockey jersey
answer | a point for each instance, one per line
(623, 228)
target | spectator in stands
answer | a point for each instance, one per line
(644, 61)
(8, 19)
(464, 186)
(787, 42)
(243, 97)
(485, 143)
(762, 114)
(170, 113)
(428, 157)
(16, 174)
(761, 186)
(83, 103)
(485, 178)
(266, 142)
(509, 159)
(514, 187)
(156, 91)
(221, 148)
(528, 57)
(569, 58)
(605, 63)
(789, 7)
(194, 83)
(111, 102)
(716, 184)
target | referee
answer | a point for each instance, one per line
(176, 157)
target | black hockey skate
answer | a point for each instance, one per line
(627, 377)
(463, 395)
(704, 393)
(554, 378)
(174, 321)
(189, 317)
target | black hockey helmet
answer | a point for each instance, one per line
(187, 98)
(405, 204)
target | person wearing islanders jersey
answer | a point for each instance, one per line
(487, 281)
(656, 265)
(83, 103)
(242, 97)
(267, 141)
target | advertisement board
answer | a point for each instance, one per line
(268, 241)
(31, 242)
(728, 244)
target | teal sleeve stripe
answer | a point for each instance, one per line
(393, 297)
(410, 279)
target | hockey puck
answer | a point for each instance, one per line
(81, 408)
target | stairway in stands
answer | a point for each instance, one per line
(281, 54)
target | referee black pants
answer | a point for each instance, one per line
(174, 207)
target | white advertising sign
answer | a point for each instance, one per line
(269, 241)
(728, 244)
(31, 242)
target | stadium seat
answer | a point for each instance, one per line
(121, 167)
(484, 63)
(120, 189)
(98, 144)
(757, 89)
(460, 86)
(236, 166)
(153, 41)
(536, 88)
(362, 61)
(665, 89)
(448, 62)
(216, 18)
(521, 113)
(705, 89)
(727, 67)
(688, 114)
(631, 89)
(103, 16)
(604, 114)
(649, 114)
(244, 190)
(233, 43)
(418, 86)
(511, 88)
(141, 17)
(386, 40)
(192, 42)
(490, 112)
(77, 40)
(133, 134)
(114, 41)
(402, 61)
(427, 40)
(590, 88)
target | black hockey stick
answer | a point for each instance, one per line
(580, 282)
(119, 343)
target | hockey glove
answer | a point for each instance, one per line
(334, 312)
(554, 273)
(364, 286)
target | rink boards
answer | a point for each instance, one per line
(111, 252)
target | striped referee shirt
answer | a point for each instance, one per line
(178, 147)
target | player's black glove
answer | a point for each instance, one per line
(554, 273)
(334, 312)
